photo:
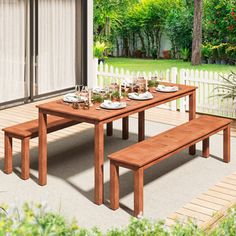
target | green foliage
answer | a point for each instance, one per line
(135, 27)
(185, 53)
(108, 18)
(222, 50)
(220, 21)
(98, 98)
(227, 226)
(231, 53)
(186, 230)
(152, 83)
(36, 220)
(207, 51)
(99, 50)
(147, 19)
(131, 21)
(179, 27)
(227, 90)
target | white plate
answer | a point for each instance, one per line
(126, 84)
(167, 89)
(113, 105)
(98, 90)
(142, 96)
(71, 97)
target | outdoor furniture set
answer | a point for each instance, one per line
(56, 115)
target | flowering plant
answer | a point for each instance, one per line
(220, 21)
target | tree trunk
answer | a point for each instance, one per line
(158, 42)
(142, 42)
(117, 47)
(126, 46)
(197, 33)
(134, 44)
(148, 44)
(152, 40)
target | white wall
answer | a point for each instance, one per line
(90, 43)
(165, 43)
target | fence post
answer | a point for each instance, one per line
(95, 73)
(168, 78)
(174, 76)
(182, 100)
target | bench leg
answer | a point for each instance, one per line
(125, 128)
(110, 129)
(192, 115)
(8, 154)
(205, 148)
(138, 192)
(141, 126)
(227, 144)
(42, 157)
(25, 162)
(114, 186)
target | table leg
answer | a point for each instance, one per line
(226, 144)
(141, 126)
(205, 147)
(125, 128)
(42, 161)
(98, 163)
(110, 129)
(192, 115)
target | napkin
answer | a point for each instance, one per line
(110, 104)
(167, 88)
(145, 95)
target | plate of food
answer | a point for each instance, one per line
(107, 104)
(167, 89)
(72, 97)
(140, 96)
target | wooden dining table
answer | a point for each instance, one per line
(99, 117)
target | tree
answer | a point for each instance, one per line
(197, 33)
(179, 28)
(220, 21)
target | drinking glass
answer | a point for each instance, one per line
(78, 89)
(84, 92)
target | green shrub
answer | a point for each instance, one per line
(206, 51)
(99, 50)
(227, 226)
(36, 220)
(231, 54)
(220, 21)
(228, 89)
(185, 54)
(179, 27)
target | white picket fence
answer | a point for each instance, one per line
(207, 82)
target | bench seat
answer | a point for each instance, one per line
(145, 154)
(26, 131)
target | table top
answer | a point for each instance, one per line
(94, 115)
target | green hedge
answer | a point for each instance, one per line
(35, 220)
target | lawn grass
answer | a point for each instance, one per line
(149, 65)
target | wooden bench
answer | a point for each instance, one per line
(145, 154)
(25, 132)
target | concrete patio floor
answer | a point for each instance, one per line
(168, 185)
